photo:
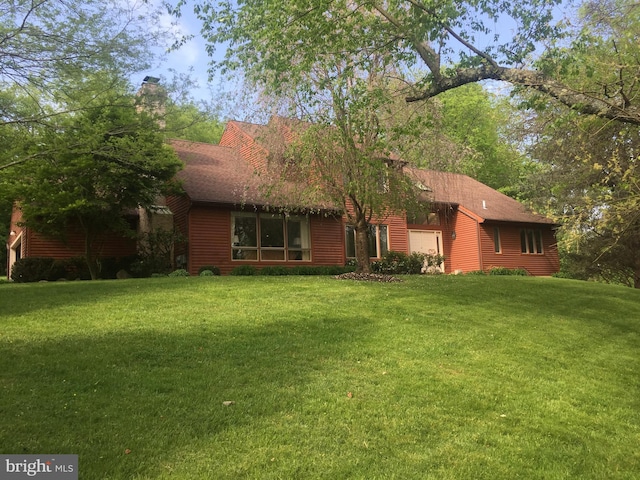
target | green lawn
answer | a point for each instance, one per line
(432, 378)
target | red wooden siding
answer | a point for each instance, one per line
(465, 249)
(327, 240)
(398, 235)
(179, 206)
(210, 241)
(109, 246)
(544, 264)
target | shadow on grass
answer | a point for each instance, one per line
(25, 298)
(155, 393)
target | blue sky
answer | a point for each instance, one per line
(191, 58)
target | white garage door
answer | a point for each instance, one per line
(428, 242)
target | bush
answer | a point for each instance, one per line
(508, 271)
(110, 266)
(476, 272)
(181, 272)
(206, 273)
(275, 271)
(71, 269)
(213, 269)
(32, 269)
(399, 263)
(244, 270)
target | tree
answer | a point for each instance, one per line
(189, 121)
(590, 182)
(341, 155)
(46, 43)
(458, 42)
(98, 164)
(468, 131)
(589, 177)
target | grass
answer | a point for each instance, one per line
(433, 378)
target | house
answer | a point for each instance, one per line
(229, 221)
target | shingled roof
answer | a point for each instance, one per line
(477, 198)
(219, 175)
(215, 174)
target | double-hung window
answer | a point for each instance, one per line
(531, 241)
(378, 240)
(270, 237)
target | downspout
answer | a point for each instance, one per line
(480, 262)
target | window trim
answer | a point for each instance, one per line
(378, 253)
(262, 253)
(497, 243)
(531, 241)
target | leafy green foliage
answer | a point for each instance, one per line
(32, 269)
(508, 271)
(48, 45)
(105, 162)
(244, 270)
(212, 268)
(181, 272)
(189, 121)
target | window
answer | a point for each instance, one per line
(497, 248)
(425, 218)
(531, 241)
(270, 237)
(378, 241)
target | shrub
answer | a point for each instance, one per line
(508, 271)
(476, 272)
(320, 270)
(32, 269)
(110, 266)
(74, 268)
(213, 269)
(206, 273)
(181, 272)
(399, 263)
(244, 270)
(275, 271)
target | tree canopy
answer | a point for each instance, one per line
(96, 166)
(276, 42)
(47, 45)
(588, 174)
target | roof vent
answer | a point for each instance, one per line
(484, 205)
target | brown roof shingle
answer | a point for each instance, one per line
(215, 174)
(478, 198)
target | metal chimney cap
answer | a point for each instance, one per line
(149, 79)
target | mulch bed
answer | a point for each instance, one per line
(367, 277)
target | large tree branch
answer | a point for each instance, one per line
(578, 101)
(428, 55)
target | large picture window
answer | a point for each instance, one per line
(378, 241)
(270, 237)
(531, 241)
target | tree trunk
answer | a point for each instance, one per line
(92, 262)
(362, 246)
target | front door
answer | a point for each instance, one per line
(427, 242)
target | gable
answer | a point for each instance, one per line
(477, 199)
